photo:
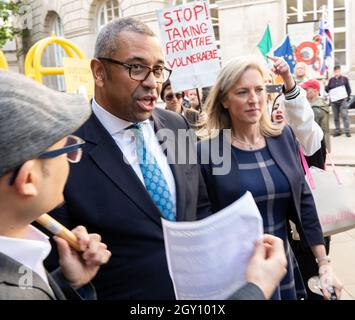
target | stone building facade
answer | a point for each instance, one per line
(239, 24)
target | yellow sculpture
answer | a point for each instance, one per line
(3, 62)
(33, 67)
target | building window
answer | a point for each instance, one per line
(108, 11)
(311, 10)
(53, 56)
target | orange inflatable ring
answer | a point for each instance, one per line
(303, 45)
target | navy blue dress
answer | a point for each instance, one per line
(273, 197)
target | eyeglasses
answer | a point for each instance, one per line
(72, 148)
(140, 72)
(170, 96)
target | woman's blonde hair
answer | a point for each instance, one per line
(218, 116)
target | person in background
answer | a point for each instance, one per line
(295, 109)
(265, 161)
(300, 72)
(340, 107)
(196, 104)
(304, 256)
(303, 120)
(173, 102)
(35, 147)
(319, 106)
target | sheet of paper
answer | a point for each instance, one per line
(338, 93)
(207, 259)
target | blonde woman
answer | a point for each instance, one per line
(264, 160)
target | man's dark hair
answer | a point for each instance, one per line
(337, 67)
(106, 42)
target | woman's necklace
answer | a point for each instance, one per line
(251, 146)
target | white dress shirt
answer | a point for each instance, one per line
(29, 251)
(125, 140)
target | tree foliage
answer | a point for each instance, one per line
(7, 11)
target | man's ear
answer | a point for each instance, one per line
(98, 71)
(25, 180)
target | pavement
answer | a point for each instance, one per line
(342, 245)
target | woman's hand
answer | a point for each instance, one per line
(282, 69)
(328, 281)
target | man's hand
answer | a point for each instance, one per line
(80, 267)
(268, 264)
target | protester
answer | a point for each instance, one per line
(173, 102)
(264, 160)
(319, 106)
(195, 103)
(304, 255)
(300, 72)
(295, 109)
(34, 148)
(340, 107)
(110, 190)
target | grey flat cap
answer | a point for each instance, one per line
(33, 118)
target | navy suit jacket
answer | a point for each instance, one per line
(285, 152)
(104, 194)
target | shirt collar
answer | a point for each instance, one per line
(111, 123)
(30, 250)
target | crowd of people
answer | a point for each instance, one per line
(120, 197)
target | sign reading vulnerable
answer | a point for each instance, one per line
(189, 45)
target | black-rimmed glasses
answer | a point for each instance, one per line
(72, 148)
(140, 72)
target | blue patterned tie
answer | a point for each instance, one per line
(154, 180)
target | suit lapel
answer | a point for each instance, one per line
(10, 273)
(280, 146)
(110, 159)
(178, 171)
(56, 289)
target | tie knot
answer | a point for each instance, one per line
(137, 126)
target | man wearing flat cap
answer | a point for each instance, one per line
(35, 147)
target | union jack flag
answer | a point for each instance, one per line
(326, 42)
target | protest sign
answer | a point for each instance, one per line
(78, 77)
(189, 45)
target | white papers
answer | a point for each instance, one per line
(338, 93)
(207, 259)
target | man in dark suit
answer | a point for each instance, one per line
(125, 182)
(34, 152)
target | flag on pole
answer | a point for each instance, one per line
(327, 43)
(285, 51)
(265, 43)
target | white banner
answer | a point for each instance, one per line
(189, 45)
